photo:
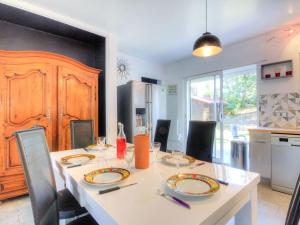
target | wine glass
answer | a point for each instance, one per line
(177, 155)
(129, 155)
(101, 147)
(101, 142)
(155, 150)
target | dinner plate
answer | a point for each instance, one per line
(183, 161)
(106, 176)
(189, 184)
(96, 147)
(77, 158)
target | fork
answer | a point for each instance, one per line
(197, 164)
(173, 199)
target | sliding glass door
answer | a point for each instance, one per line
(239, 110)
(228, 97)
(204, 103)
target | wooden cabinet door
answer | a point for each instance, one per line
(77, 100)
(25, 101)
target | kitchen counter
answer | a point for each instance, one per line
(275, 130)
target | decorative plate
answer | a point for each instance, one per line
(77, 158)
(184, 161)
(92, 147)
(188, 184)
(96, 147)
(106, 176)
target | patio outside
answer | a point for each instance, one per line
(239, 106)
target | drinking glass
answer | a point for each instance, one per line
(129, 155)
(155, 149)
(101, 142)
(177, 155)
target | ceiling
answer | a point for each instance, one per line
(165, 30)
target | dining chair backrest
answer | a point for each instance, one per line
(293, 214)
(162, 133)
(82, 133)
(34, 154)
(200, 141)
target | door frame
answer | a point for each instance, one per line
(218, 110)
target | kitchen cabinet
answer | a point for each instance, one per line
(260, 153)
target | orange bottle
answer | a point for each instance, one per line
(142, 151)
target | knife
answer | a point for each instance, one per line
(74, 165)
(174, 199)
(222, 182)
(115, 188)
(198, 164)
(86, 149)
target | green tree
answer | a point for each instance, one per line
(239, 93)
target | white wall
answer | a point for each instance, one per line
(141, 68)
(138, 68)
(267, 48)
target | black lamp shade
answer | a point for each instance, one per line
(207, 45)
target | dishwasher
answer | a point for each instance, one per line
(285, 162)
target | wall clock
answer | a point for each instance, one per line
(123, 68)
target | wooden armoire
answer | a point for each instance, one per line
(40, 89)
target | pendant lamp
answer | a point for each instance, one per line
(208, 44)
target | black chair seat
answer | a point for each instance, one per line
(48, 205)
(200, 141)
(162, 133)
(68, 206)
(293, 215)
(82, 133)
(85, 220)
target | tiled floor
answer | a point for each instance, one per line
(272, 209)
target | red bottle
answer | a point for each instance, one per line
(121, 142)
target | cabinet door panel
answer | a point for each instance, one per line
(260, 154)
(77, 100)
(25, 102)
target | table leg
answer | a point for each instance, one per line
(248, 214)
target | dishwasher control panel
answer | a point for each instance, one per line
(285, 140)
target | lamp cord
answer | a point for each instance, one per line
(206, 16)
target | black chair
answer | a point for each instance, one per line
(162, 133)
(48, 206)
(82, 133)
(293, 215)
(200, 141)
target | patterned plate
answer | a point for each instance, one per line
(77, 158)
(185, 161)
(96, 147)
(188, 184)
(106, 176)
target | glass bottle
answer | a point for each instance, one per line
(121, 142)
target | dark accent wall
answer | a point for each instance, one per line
(21, 30)
(15, 37)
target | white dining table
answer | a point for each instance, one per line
(141, 204)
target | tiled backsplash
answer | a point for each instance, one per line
(280, 110)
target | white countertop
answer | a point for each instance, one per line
(275, 130)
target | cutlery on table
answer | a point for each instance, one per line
(174, 199)
(115, 188)
(86, 149)
(74, 165)
(197, 164)
(222, 182)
